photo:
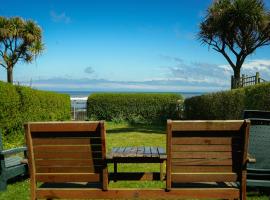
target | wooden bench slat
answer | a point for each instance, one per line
(199, 148)
(66, 141)
(182, 169)
(140, 152)
(66, 148)
(160, 151)
(69, 169)
(194, 162)
(67, 177)
(154, 152)
(205, 140)
(64, 126)
(232, 125)
(202, 155)
(67, 155)
(147, 151)
(203, 177)
(65, 163)
(187, 193)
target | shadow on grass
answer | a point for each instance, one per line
(158, 129)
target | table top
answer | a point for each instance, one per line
(120, 152)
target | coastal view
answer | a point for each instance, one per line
(135, 99)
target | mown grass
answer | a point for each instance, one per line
(119, 135)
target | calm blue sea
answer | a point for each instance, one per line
(87, 93)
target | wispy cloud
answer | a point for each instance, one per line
(59, 17)
(250, 67)
(171, 58)
(89, 70)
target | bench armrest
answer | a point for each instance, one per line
(251, 159)
(13, 151)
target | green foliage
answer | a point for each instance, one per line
(134, 107)
(228, 104)
(236, 28)
(22, 104)
(20, 40)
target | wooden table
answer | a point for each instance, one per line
(138, 155)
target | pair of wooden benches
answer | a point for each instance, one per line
(205, 159)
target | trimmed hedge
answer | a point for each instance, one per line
(134, 107)
(228, 104)
(20, 104)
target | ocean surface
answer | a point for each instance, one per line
(87, 93)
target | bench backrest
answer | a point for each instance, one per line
(206, 151)
(67, 152)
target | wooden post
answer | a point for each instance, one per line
(242, 81)
(257, 79)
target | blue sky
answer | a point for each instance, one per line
(125, 45)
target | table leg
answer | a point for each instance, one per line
(161, 170)
(115, 171)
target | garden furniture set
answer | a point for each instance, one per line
(204, 159)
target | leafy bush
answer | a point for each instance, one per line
(22, 104)
(133, 107)
(228, 104)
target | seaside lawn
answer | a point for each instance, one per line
(120, 134)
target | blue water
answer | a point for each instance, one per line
(87, 93)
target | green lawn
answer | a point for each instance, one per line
(117, 135)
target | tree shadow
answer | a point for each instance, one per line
(157, 129)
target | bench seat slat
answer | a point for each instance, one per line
(199, 162)
(67, 177)
(203, 177)
(182, 169)
(221, 148)
(69, 169)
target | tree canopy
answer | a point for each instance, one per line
(236, 28)
(19, 40)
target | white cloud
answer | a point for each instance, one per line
(250, 67)
(59, 17)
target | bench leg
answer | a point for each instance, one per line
(161, 171)
(3, 183)
(115, 171)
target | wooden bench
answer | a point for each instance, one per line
(11, 165)
(208, 155)
(69, 159)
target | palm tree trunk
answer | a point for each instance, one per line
(10, 74)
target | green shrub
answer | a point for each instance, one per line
(133, 107)
(9, 107)
(20, 104)
(228, 104)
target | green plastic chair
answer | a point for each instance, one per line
(258, 173)
(11, 165)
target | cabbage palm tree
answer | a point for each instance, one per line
(20, 40)
(236, 28)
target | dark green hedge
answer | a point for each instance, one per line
(228, 104)
(134, 107)
(20, 104)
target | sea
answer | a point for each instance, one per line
(81, 94)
